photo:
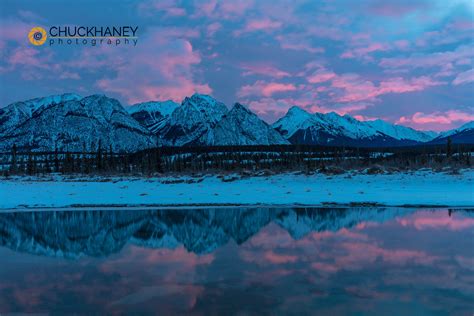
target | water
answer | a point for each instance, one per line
(238, 261)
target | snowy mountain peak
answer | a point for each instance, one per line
(165, 108)
(296, 110)
(240, 126)
(331, 128)
(154, 115)
(200, 100)
(17, 113)
(192, 120)
(296, 118)
(33, 105)
(465, 127)
(74, 124)
(460, 135)
(239, 107)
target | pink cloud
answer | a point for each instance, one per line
(464, 77)
(258, 25)
(402, 44)
(236, 7)
(160, 68)
(26, 56)
(363, 52)
(298, 42)
(437, 121)
(262, 88)
(15, 30)
(356, 88)
(321, 75)
(392, 8)
(32, 63)
(447, 117)
(330, 32)
(70, 75)
(365, 118)
(213, 28)
(263, 69)
(169, 7)
(204, 7)
(223, 10)
(429, 60)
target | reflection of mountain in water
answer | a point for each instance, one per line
(101, 233)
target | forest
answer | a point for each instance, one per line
(274, 159)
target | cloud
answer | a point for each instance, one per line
(354, 88)
(436, 59)
(437, 118)
(70, 75)
(266, 89)
(321, 75)
(464, 77)
(213, 28)
(396, 8)
(160, 68)
(437, 220)
(363, 52)
(264, 70)
(264, 24)
(298, 42)
(168, 7)
(222, 10)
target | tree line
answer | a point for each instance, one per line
(234, 158)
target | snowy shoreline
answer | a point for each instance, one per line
(417, 189)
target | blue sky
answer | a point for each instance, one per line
(408, 62)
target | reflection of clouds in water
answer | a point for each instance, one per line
(430, 220)
(359, 269)
(362, 254)
(184, 296)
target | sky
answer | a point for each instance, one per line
(409, 62)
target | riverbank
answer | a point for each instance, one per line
(421, 188)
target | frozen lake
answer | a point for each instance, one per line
(238, 260)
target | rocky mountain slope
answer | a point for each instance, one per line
(240, 126)
(192, 120)
(70, 122)
(75, 124)
(154, 114)
(461, 135)
(301, 127)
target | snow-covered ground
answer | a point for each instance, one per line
(419, 188)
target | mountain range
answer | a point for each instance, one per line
(102, 233)
(71, 122)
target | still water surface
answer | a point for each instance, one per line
(238, 261)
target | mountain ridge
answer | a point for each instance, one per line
(200, 120)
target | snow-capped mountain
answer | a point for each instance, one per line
(16, 113)
(301, 127)
(192, 120)
(70, 122)
(400, 132)
(242, 127)
(76, 124)
(154, 114)
(461, 135)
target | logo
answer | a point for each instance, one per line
(37, 36)
(84, 35)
